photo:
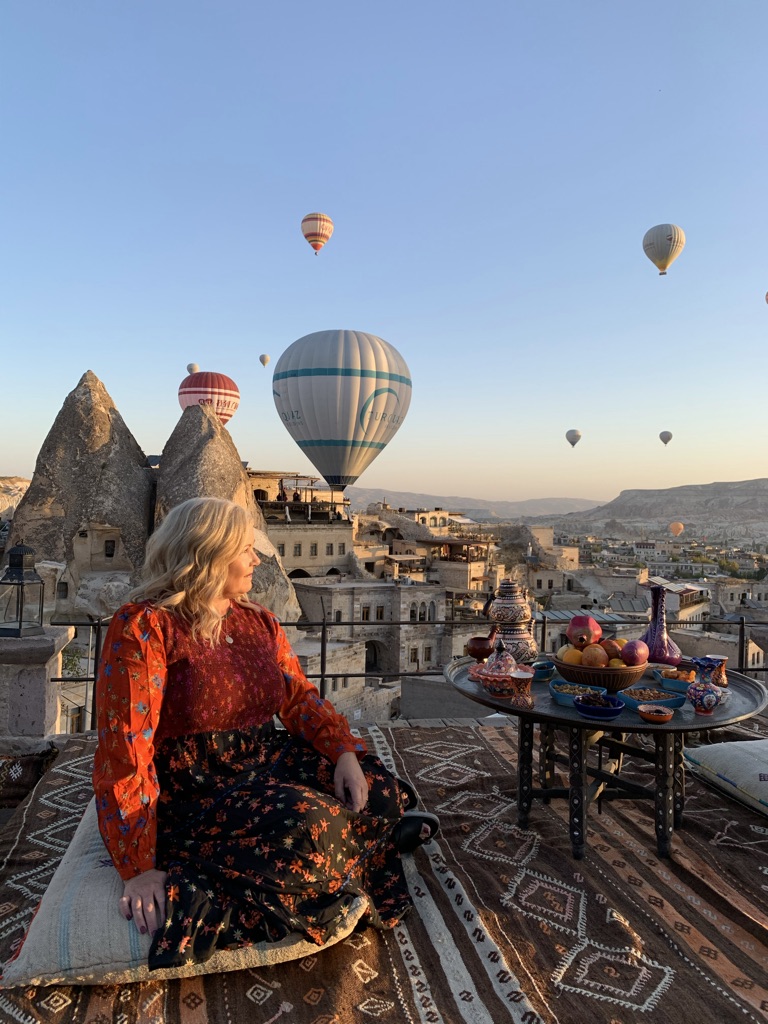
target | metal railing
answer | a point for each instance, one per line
(85, 715)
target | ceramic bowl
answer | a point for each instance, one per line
(671, 685)
(543, 670)
(655, 713)
(671, 701)
(613, 679)
(600, 714)
(566, 699)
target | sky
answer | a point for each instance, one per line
(491, 170)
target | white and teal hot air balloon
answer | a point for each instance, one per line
(342, 396)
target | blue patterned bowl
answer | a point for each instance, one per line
(672, 700)
(566, 699)
(600, 714)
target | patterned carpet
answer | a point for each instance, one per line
(506, 925)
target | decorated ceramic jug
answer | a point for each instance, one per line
(511, 612)
(703, 693)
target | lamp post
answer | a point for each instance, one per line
(21, 595)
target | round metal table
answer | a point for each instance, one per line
(588, 782)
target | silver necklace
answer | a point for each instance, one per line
(229, 639)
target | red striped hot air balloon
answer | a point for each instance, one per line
(317, 228)
(214, 389)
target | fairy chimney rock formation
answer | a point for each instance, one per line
(88, 506)
(200, 460)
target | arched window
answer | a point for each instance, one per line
(414, 612)
(432, 613)
(433, 520)
(423, 520)
(442, 521)
(422, 612)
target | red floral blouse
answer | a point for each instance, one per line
(156, 682)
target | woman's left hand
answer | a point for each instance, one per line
(349, 782)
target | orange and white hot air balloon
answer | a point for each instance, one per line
(676, 529)
(317, 228)
(662, 245)
(214, 389)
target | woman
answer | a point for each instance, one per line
(224, 830)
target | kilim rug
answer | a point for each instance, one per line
(506, 925)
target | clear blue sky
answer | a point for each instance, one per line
(491, 169)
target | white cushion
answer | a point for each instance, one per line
(739, 769)
(78, 936)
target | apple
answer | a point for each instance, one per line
(635, 652)
(611, 648)
(563, 651)
(583, 630)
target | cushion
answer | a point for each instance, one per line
(78, 935)
(22, 765)
(739, 769)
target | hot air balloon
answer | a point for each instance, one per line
(214, 389)
(342, 396)
(193, 368)
(665, 436)
(663, 244)
(264, 359)
(317, 228)
(573, 437)
(676, 529)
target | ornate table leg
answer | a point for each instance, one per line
(524, 770)
(679, 800)
(665, 792)
(577, 795)
(546, 757)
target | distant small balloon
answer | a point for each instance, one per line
(264, 359)
(676, 529)
(573, 437)
(317, 228)
(193, 368)
(665, 436)
(663, 244)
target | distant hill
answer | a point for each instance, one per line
(475, 507)
(12, 490)
(730, 511)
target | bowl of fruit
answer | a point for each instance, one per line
(676, 680)
(593, 660)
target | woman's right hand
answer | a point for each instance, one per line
(143, 900)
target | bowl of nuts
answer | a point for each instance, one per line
(637, 695)
(600, 707)
(563, 693)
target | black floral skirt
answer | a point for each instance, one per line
(257, 846)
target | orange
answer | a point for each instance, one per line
(594, 656)
(620, 640)
(572, 657)
(616, 663)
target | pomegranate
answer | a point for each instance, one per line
(583, 630)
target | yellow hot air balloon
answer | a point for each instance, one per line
(317, 228)
(264, 359)
(676, 529)
(663, 244)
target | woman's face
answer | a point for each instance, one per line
(240, 575)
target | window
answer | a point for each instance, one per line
(329, 549)
(370, 566)
(427, 655)
(538, 584)
(442, 520)
(312, 550)
(109, 549)
(338, 616)
(365, 613)
(297, 550)
(433, 520)
(550, 584)
(422, 612)
(379, 612)
(414, 656)
(342, 548)
(62, 589)
(334, 684)
(414, 613)
(281, 550)
(344, 683)
(423, 520)
(431, 613)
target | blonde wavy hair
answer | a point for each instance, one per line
(188, 558)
